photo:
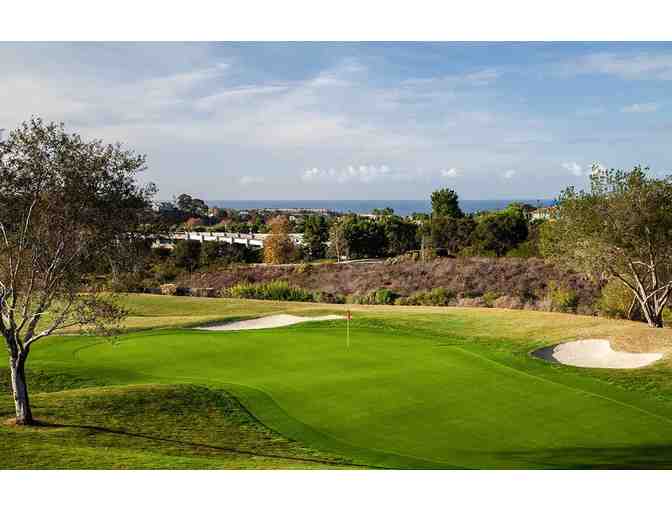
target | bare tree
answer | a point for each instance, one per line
(65, 204)
(621, 228)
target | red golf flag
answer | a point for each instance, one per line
(348, 317)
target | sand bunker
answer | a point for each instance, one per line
(595, 354)
(272, 321)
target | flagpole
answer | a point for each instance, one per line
(347, 320)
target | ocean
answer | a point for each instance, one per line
(401, 207)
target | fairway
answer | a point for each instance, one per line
(403, 397)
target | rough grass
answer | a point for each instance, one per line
(148, 426)
(419, 387)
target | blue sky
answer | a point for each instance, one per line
(350, 120)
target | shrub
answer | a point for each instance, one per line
(385, 297)
(162, 252)
(125, 282)
(165, 272)
(303, 268)
(328, 297)
(169, 289)
(187, 254)
(376, 297)
(470, 294)
(524, 250)
(562, 299)
(434, 297)
(277, 290)
(202, 292)
(511, 302)
(615, 300)
(475, 302)
(476, 251)
(489, 298)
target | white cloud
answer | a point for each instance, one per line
(450, 173)
(644, 66)
(580, 170)
(591, 111)
(214, 118)
(573, 168)
(477, 78)
(361, 173)
(250, 180)
(483, 77)
(640, 108)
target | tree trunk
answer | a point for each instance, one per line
(24, 416)
(658, 320)
(654, 319)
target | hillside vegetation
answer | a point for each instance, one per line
(526, 282)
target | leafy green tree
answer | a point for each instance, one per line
(358, 237)
(499, 232)
(530, 247)
(65, 205)
(187, 254)
(214, 252)
(192, 206)
(386, 211)
(211, 251)
(621, 228)
(445, 202)
(401, 235)
(451, 234)
(315, 236)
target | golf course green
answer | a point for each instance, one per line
(413, 390)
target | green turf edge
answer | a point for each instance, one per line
(262, 406)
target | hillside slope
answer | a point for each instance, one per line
(527, 279)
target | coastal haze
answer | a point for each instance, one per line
(400, 207)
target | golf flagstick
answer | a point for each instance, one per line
(348, 318)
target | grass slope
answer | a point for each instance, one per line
(149, 426)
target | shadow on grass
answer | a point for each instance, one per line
(655, 456)
(106, 430)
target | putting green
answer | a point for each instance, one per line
(394, 398)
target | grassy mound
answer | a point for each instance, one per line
(148, 426)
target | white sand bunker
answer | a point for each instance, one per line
(595, 354)
(272, 321)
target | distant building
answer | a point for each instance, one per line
(544, 213)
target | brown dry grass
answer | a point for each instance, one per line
(465, 276)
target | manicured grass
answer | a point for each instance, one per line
(418, 388)
(148, 311)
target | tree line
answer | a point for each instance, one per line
(447, 231)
